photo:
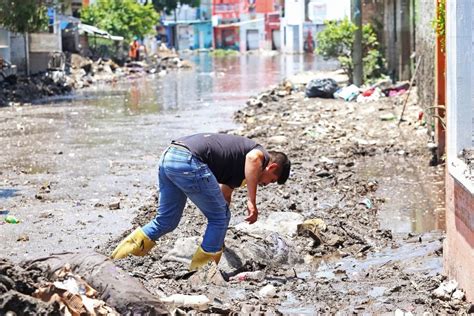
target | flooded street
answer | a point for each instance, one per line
(80, 172)
(66, 159)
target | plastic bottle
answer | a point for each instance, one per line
(11, 219)
(249, 275)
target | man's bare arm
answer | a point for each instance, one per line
(253, 170)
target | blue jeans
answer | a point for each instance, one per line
(180, 176)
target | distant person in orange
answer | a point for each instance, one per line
(134, 53)
(309, 43)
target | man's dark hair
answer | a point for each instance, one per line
(283, 163)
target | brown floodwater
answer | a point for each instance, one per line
(63, 160)
(412, 190)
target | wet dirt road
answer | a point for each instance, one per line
(66, 160)
(68, 164)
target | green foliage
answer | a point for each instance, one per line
(439, 24)
(224, 52)
(25, 15)
(169, 5)
(126, 18)
(337, 40)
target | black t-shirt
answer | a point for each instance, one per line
(224, 154)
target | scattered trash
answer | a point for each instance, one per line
(200, 302)
(321, 88)
(73, 294)
(206, 275)
(312, 228)
(114, 205)
(249, 275)
(367, 202)
(420, 115)
(267, 291)
(23, 237)
(12, 219)
(388, 117)
(4, 212)
(399, 312)
(370, 95)
(445, 290)
(115, 286)
(458, 295)
(348, 93)
(394, 93)
(398, 89)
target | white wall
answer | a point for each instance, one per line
(320, 10)
(257, 24)
(291, 26)
(5, 44)
(460, 80)
(17, 53)
(292, 37)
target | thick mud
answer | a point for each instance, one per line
(82, 173)
(370, 183)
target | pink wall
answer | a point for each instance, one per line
(458, 251)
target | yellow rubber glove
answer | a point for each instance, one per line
(137, 244)
(201, 258)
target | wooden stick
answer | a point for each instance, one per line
(409, 89)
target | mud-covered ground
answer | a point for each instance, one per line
(365, 184)
(348, 262)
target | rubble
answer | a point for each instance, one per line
(81, 72)
(317, 246)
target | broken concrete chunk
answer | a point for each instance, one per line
(458, 295)
(208, 274)
(114, 205)
(278, 140)
(267, 291)
(445, 290)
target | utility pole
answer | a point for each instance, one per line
(357, 49)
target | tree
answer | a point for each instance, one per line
(126, 18)
(337, 39)
(25, 16)
(169, 5)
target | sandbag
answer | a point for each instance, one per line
(116, 287)
(321, 88)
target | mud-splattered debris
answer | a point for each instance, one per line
(115, 205)
(208, 274)
(445, 290)
(199, 302)
(267, 291)
(23, 237)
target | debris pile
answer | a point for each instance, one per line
(73, 284)
(317, 246)
(81, 72)
(28, 291)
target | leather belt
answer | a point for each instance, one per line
(179, 146)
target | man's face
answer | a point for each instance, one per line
(269, 175)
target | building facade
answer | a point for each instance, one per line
(458, 250)
(301, 21)
(188, 28)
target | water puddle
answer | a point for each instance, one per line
(413, 193)
(292, 306)
(7, 193)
